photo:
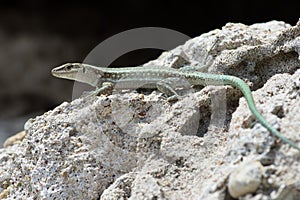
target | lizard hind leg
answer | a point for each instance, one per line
(168, 90)
(168, 86)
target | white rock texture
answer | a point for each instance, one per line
(139, 146)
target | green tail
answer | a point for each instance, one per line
(237, 82)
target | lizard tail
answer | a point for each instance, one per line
(240, 84)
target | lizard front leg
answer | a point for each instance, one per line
(106, 88)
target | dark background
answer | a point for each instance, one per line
(36, 36)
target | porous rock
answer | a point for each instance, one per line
(130, 145)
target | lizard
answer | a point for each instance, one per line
(105, 79)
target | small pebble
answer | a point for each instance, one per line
(245, 179)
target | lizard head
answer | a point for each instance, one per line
(79, 72)
(68, 70)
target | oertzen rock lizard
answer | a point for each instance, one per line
(157, 77)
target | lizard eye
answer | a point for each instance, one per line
(69, 67)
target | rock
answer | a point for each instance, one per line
(287, 192)
(139, 145)
(14, 139)
(245, 179)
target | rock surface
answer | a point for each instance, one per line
(136, 146)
